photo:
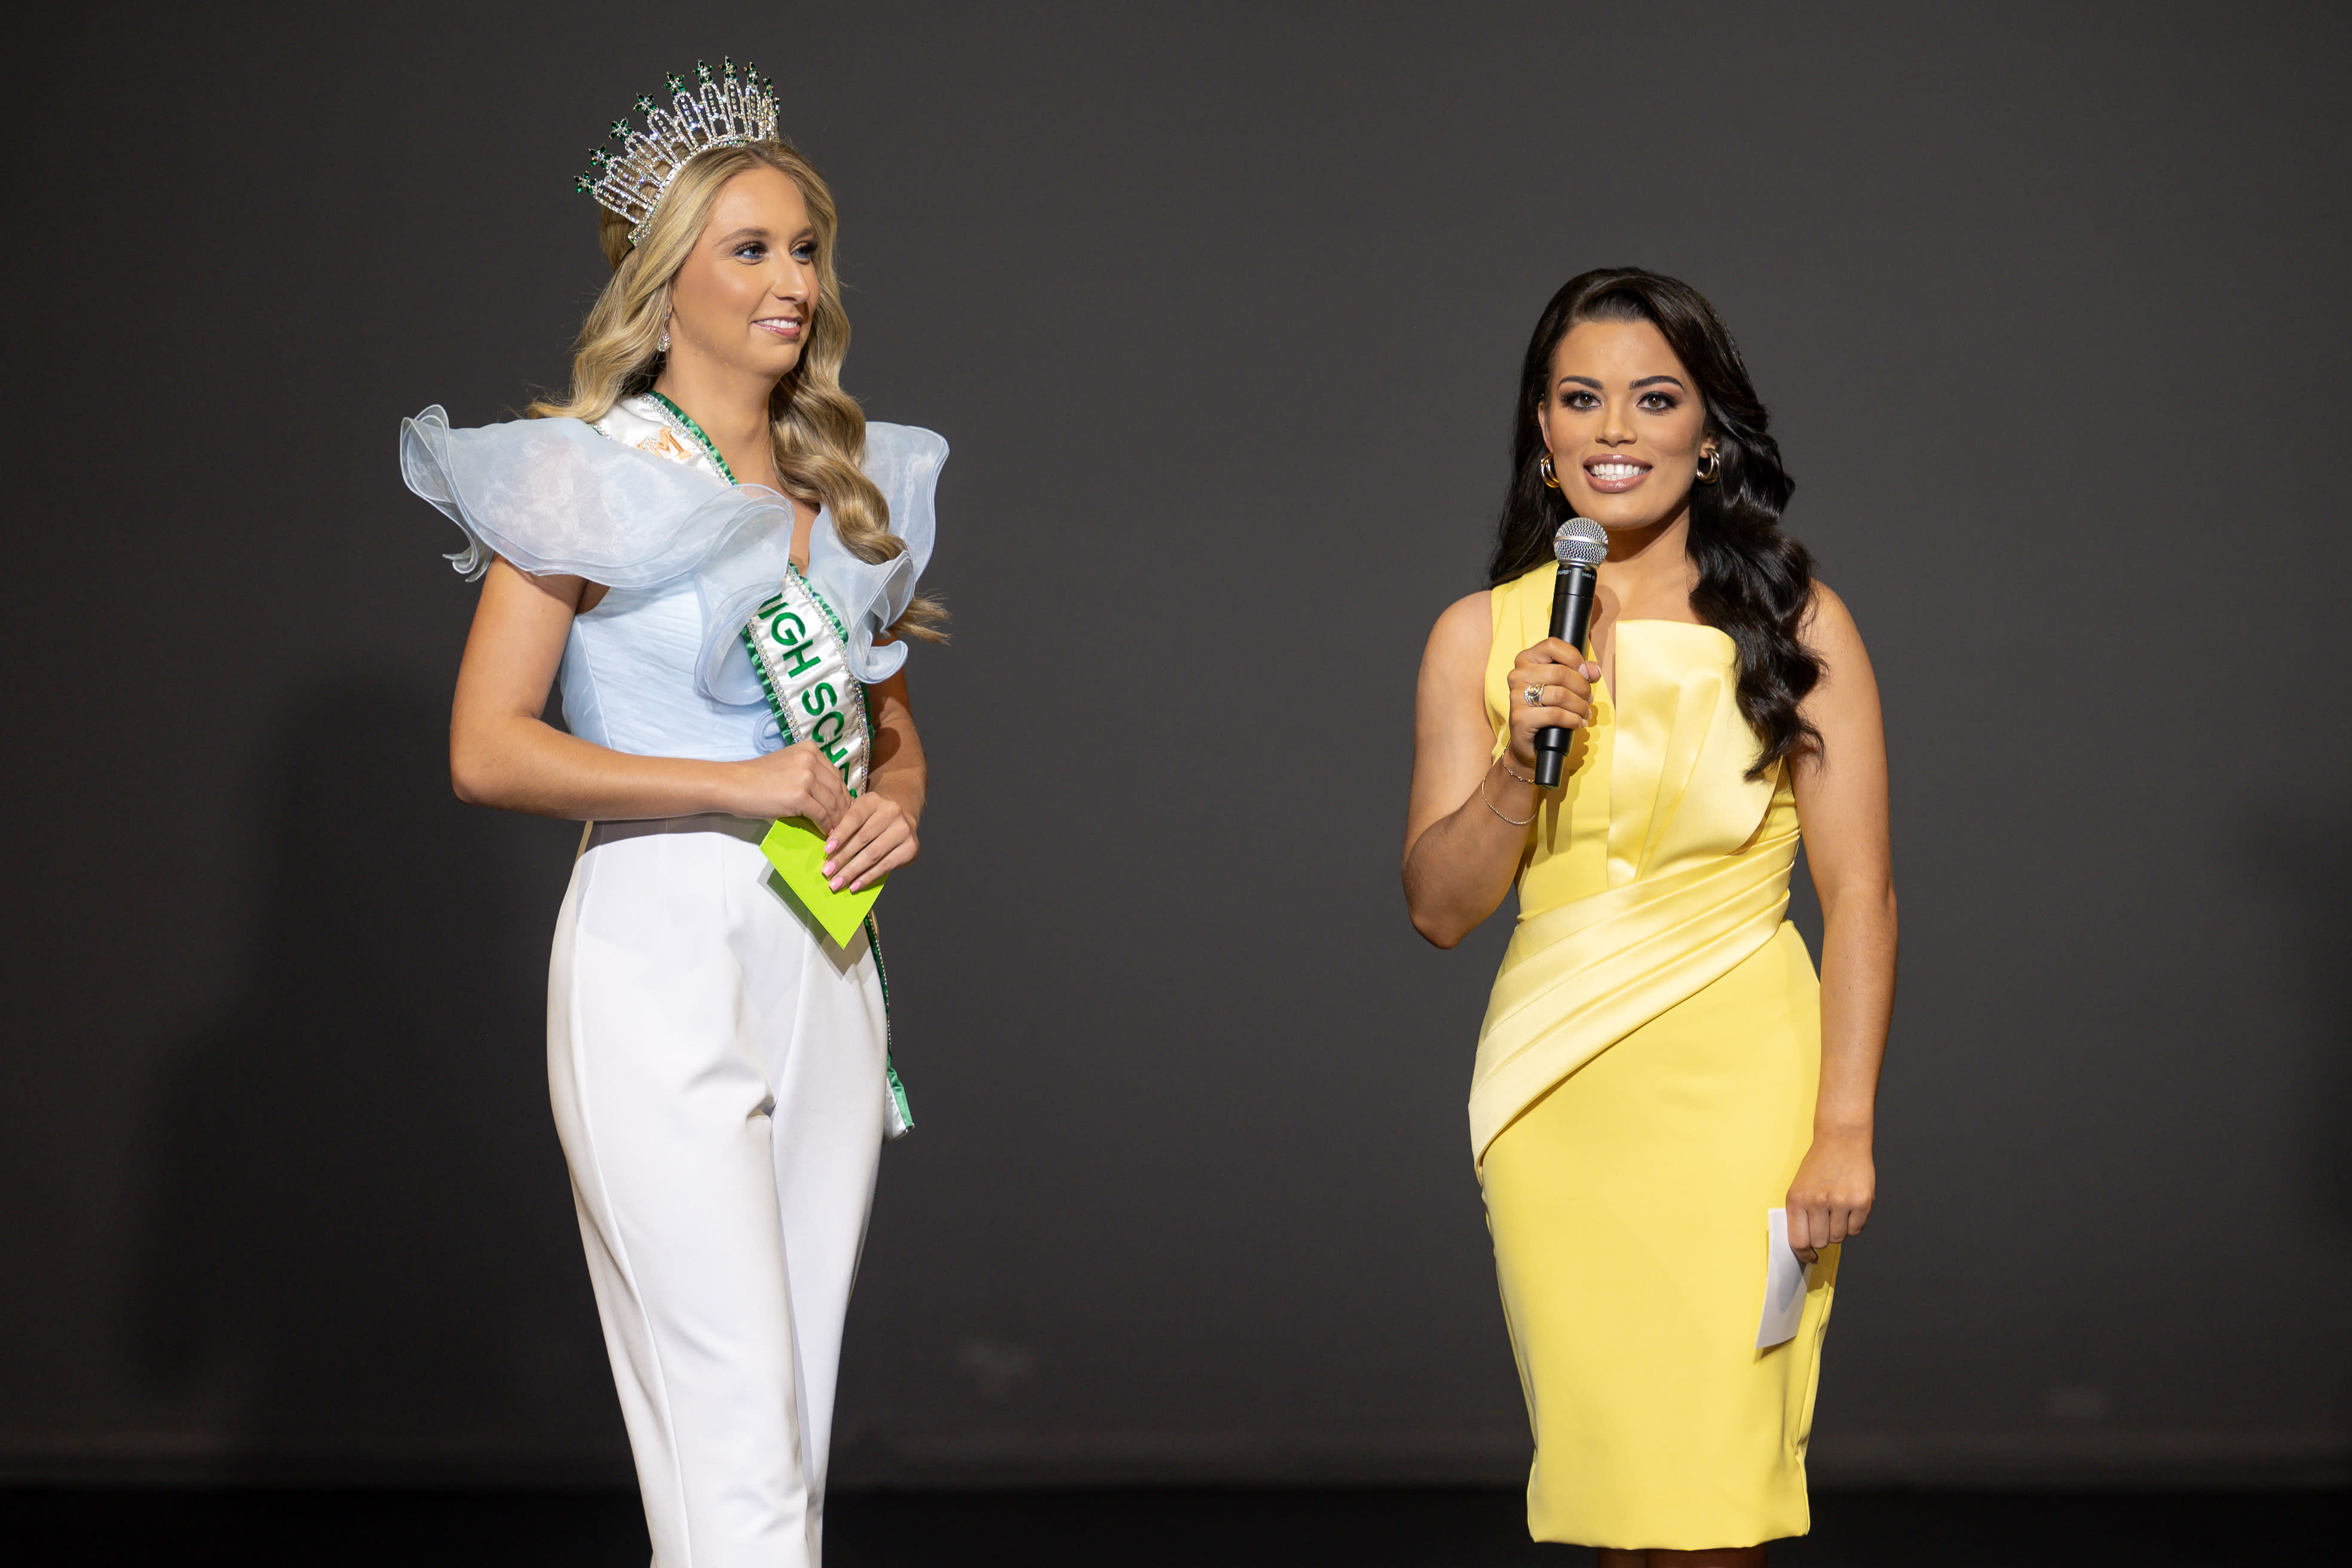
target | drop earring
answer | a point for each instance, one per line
(663, 347)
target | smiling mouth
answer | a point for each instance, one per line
(1614, 474)
(782, 326)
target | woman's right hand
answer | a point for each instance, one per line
(798, 781)
(1563, 679)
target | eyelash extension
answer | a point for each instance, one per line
(1667, 400)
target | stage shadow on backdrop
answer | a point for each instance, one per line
(359, 1244)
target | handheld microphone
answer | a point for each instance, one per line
(1581, 545)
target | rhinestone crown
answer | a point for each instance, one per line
(721, 113)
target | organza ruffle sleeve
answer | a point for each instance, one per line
(904, 463)
(552, 495)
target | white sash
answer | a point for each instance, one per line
(799, 647)
(805, 674)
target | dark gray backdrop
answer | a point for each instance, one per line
(1221, 307)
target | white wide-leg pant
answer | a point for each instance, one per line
(717, 1070)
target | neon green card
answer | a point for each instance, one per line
(796, 849)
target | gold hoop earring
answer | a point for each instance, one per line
(1543, 467)
(1713, 470)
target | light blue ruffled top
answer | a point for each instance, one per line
(657, 668)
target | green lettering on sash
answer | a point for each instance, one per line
(791, 660)
(804, 658)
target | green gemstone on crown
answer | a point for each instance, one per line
(585, 186)
(743, 109)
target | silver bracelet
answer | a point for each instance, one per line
(1516, 822)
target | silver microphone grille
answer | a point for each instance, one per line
(1580, 541)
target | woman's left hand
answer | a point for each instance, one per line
(1830, 1200)
(874, 837)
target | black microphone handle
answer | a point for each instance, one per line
(1571, 618)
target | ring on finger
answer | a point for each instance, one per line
(1534, 695)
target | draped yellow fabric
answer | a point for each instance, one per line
(1643, 1095)
(1655, 872)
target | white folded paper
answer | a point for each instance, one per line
(1784, 1283)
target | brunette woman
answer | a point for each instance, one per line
(1659, 1067)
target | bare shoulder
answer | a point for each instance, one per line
(1453, 663)
(1464, 633)
(1829, 628)
(506, 584)
(1827, 615)
(1846, 675)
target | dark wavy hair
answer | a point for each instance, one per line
(1755, 583)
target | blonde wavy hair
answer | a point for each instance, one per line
(817, 430)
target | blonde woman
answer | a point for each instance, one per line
(717, 556)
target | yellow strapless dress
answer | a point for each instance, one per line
(1643, 1095)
